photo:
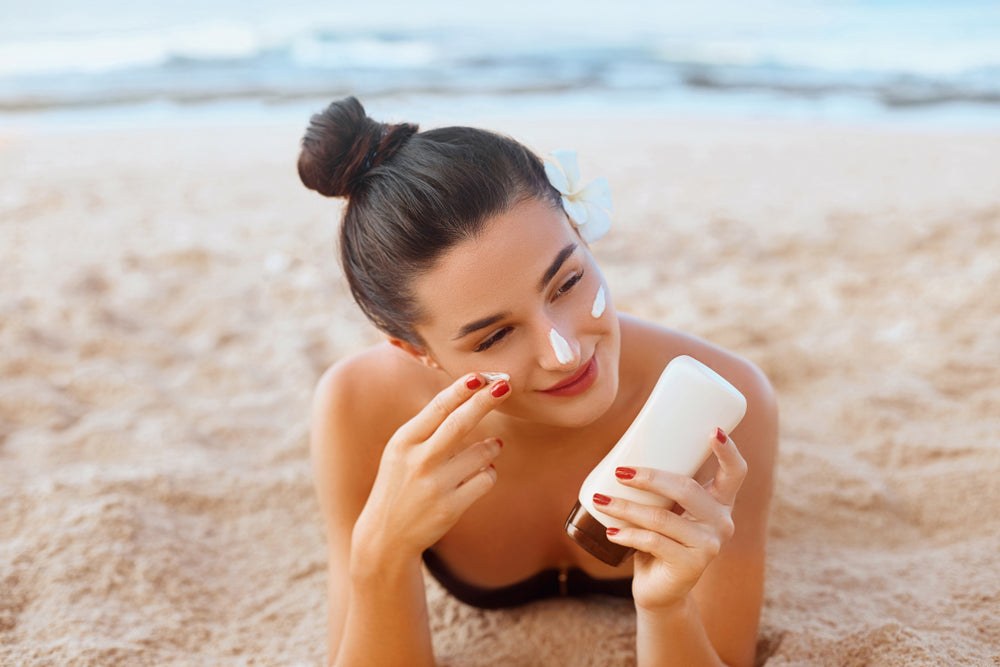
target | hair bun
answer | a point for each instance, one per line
(342, 144)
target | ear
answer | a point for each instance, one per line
(416, 352)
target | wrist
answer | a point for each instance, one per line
(372, 562)
(376, 547)
(673, 634)
(677, 610)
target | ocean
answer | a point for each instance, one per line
(884, 60)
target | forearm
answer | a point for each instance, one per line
(386, 621)
(674, 636)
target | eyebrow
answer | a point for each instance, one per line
(557, 263)
(479, 324)
(550, 273)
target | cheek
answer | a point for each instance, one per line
(600, 301)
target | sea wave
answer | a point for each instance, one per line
(220, 60)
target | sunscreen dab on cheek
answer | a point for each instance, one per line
(599, 302)
(495, 377)
(564, 354)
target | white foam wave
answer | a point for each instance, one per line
(110, 51)
(363, 52)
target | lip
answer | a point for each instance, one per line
(577, 383)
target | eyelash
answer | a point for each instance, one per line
(488, 343)
(569, 284)
(498, 336)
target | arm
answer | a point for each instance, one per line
(674, 636)
(699, 576)
(381, 512)
(360, 603)
(730, 593)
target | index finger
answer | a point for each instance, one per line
(732, 469)
(452, 431)
(423, 425)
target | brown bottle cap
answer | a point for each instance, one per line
(591, 534)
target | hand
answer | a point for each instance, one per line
(428, 475)
(674, 547)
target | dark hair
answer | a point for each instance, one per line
(411, 196)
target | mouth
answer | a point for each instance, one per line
(577, 383)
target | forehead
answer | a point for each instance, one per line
(496, 270)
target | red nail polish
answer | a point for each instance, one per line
(624, 473)
(473, 382)
(500, 442)
(720, 435)
(601, 499)
(612, 531)
(500, 388)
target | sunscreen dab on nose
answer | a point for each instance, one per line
(564, 354)
(599, 302)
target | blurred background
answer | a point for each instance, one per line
(924, 61)
(812, 184)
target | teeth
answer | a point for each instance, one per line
(495, 377)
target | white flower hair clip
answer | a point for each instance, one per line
(585, 206)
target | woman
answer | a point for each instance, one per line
(506, 376)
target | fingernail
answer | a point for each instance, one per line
(612, 531)
(720, 435)
(500, 388)
(601, 499)
(500, 442)
(474, 382)
(624, 473)
(493, 466)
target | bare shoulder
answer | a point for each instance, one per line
(353, 392)
(356, 408)
(757, 434)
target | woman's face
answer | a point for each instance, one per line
(526, 298)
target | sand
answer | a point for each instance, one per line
(171, 295)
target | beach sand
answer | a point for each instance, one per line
(171, 295)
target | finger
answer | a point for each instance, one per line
(657, 519)
(472, 460)
(448, 437)
(732, 469)
(473, 488)
(423, 425)
(664, 548)
(681, 489)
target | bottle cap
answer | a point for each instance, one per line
(591, 534)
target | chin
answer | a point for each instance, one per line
(579, 411)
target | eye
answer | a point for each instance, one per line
(569, 284)
(488, 343)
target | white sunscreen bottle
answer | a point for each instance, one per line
(672, 432)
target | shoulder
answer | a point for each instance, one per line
(357, 405)
(382, 379)
(347, 390)
(373, 392)
(645, 343)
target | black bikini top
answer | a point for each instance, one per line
(553, 582)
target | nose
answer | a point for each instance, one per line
(561, 350)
